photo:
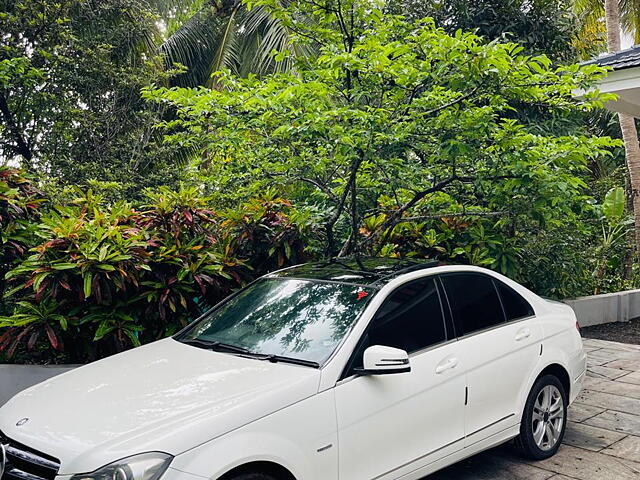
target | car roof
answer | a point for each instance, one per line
(369, 271)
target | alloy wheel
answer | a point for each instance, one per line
(548, 417)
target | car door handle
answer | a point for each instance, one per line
(447, 365)
(523, 334)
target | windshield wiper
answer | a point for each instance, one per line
(215, 345)
(245, 352)
(269, 357)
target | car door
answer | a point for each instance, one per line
(389, 425)
(500, 341)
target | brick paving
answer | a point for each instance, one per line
(602, 441)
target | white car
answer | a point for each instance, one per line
(362, 369)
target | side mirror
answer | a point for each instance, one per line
(381, 360)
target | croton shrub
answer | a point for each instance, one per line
(96, 279)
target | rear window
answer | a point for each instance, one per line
(515, 306)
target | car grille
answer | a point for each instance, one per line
(24, 463)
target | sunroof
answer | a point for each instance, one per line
(364, 270)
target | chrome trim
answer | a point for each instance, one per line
(446, 446)
(3, 459)
(495, 327)
(491, 424)
(24, 463)
(432, 347)
(419, 458)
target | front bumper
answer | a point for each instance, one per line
(170, 474)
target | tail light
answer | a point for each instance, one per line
(578, 326)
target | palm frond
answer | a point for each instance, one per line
(630, 18)
(227, 47)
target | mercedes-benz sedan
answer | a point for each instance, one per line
(354, 370)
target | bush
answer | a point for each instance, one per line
(102, 279)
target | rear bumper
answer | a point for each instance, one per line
(578, 373)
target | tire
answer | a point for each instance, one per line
(253, 476)
(544, 419)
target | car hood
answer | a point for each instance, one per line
(165, 396)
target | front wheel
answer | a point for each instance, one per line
(544, 419)
(253, 476)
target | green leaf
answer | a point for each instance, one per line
(87, 284)
(63, 266)
(613, 205)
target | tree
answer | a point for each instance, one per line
(393, 123)
(617, 15)
(208, 35)
(593, 14)
(540, 26)
(70, 79)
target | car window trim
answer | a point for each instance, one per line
(504, 310)
(448, 312)
(495, 327)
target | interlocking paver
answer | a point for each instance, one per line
(585, 465)
(579, 412)
(628, 447)
(498, 464)
(606, 372)
(609, 401)
(629, 364)
(616, 421)
(633, 377)
(603, 435)
(589, 437)
(617, 388)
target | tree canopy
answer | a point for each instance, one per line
(393, 119)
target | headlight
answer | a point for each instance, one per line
(146, 466)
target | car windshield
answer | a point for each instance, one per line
(294, 318)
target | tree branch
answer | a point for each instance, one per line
(21, 147)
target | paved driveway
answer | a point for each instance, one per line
(603, 435)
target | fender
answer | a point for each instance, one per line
(556, 350)
(306, 443)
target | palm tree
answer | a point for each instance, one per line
(207, 35)
(618, 15)
(592, 15)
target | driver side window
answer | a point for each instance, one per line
(410, 318)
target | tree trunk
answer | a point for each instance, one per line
(612, 17)
(627, 122)
(632, 152)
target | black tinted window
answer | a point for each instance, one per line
(410, 318)
(515, 306)
(474, 301)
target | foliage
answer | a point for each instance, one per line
(361, 132)
(104, 278)
(615, 227)
(540, 26)
(70, 78)
(19, 207)
(206, 35)
(592, 28)
(395, 122)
